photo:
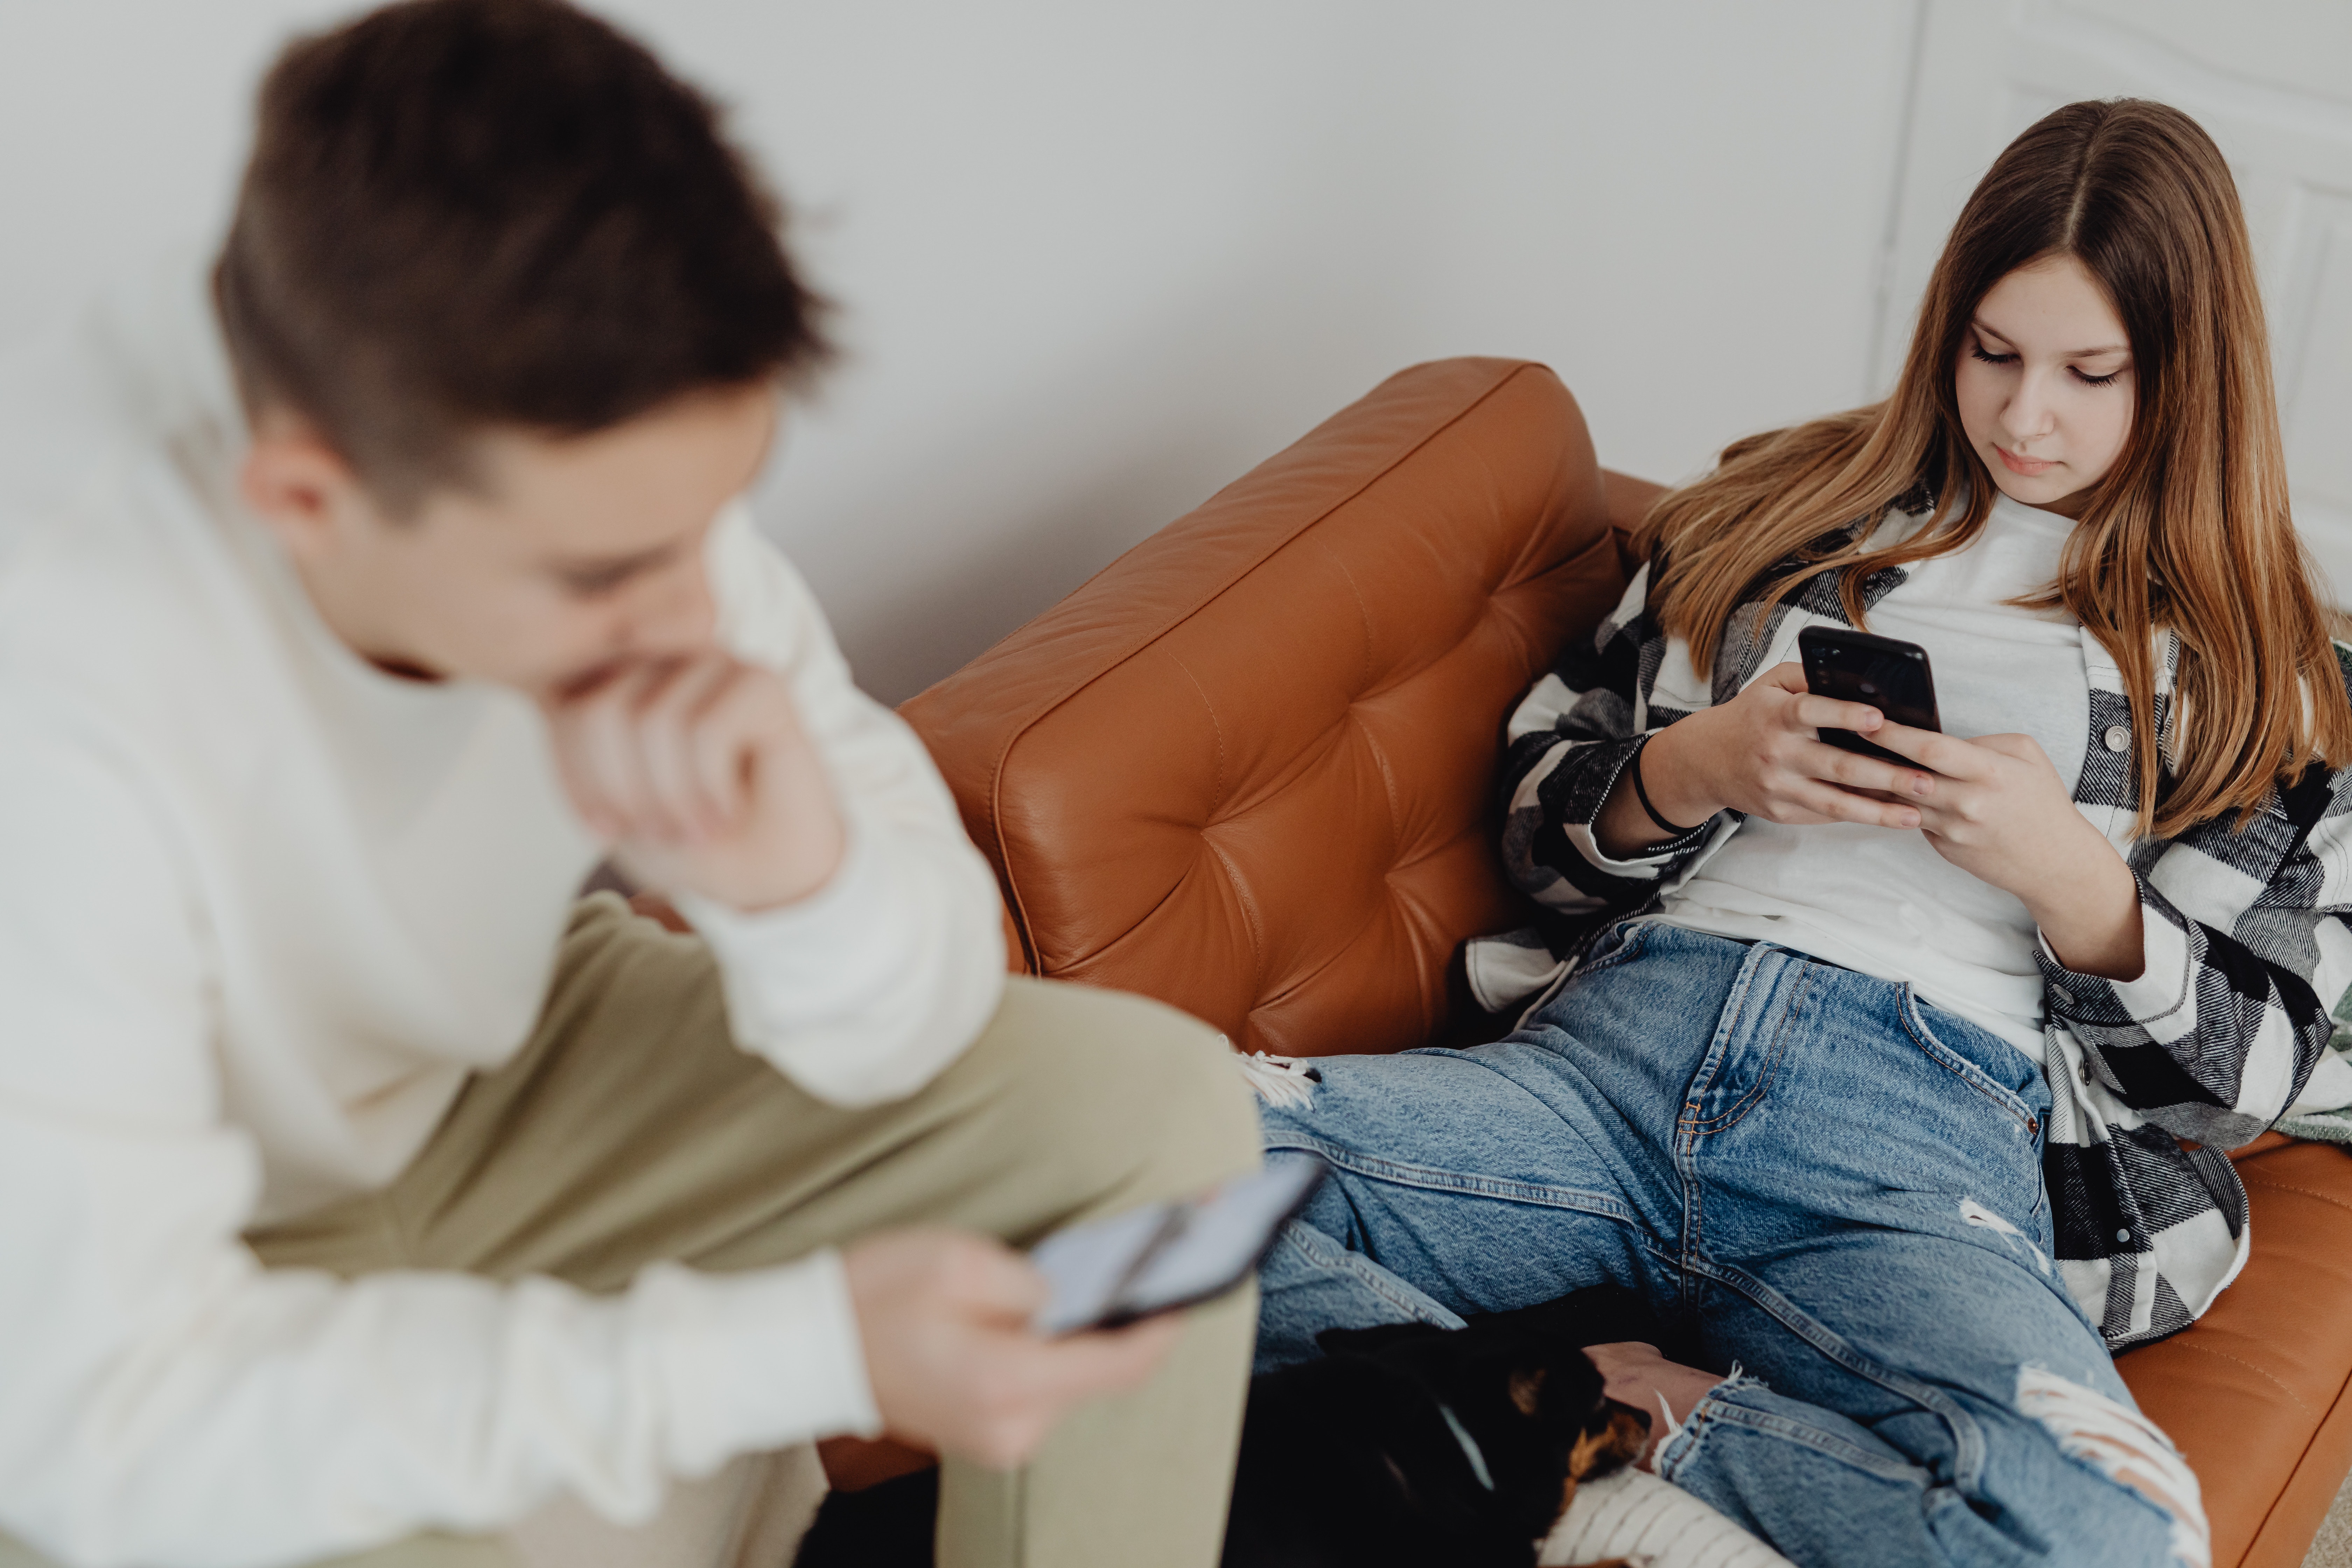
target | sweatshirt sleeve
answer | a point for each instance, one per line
(1570, 737)
(868, 988)
(166, 1401)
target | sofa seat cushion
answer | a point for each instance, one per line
(2255, 1393)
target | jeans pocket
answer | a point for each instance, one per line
(2011, 1103)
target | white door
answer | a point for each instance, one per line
(2270, 80)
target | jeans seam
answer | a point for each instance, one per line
(1935, 1051)
(1715, 1410)
(1365, 1278)
(1685, 1151)
(1724, 1121)
(1429, 1180)
(1688, 1133)
(1967, 1440)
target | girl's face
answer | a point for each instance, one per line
(2044, 384)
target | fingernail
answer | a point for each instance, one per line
(1910, 819)
(1922, 784)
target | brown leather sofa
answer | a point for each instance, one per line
(1247, 769)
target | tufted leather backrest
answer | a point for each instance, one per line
(1248, 768)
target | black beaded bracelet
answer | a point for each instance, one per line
(1644, 795)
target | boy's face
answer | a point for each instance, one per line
(572, 556)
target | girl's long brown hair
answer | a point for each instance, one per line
(2190, 528)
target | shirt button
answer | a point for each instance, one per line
(2123, 1235)
(2118, 737)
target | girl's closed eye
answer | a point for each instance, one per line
(1977, 351)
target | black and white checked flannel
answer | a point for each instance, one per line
(2247, 942)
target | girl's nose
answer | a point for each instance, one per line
(2028, 416)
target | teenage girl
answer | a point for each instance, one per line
(1876, 1084)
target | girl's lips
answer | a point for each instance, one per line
(2029, 467)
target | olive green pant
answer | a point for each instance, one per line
(630, 1129)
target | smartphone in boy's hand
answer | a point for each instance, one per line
(1164, 1255)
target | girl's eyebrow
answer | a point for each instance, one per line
(2070, 354)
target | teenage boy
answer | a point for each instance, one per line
(362, 1191)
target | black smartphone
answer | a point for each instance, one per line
(1887, 673)
(1165, 1255)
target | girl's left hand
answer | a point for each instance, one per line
(1995, 808)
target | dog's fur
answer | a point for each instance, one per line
(1351, 1459)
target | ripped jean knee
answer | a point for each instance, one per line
(2126, 1447)
(1831, 1492)
(1280, 1083)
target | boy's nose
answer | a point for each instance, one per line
(680, 620)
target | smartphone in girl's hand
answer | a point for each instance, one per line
(1886, 673)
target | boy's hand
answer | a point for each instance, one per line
(944, 1316)
(699, 773)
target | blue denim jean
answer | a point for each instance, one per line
(1816, 1175)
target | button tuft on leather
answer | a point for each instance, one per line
(2118, 737)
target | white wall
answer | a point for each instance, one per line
(1096, 259)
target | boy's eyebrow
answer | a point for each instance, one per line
(614, 568)
(1981, 326)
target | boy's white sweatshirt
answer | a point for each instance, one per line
(262, 909)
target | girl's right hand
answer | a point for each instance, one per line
(1759, 753)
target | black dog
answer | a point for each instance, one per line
(1409, 1445)
(1404, 1445)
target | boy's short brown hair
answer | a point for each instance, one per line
(472, 212)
